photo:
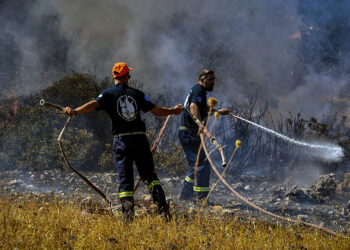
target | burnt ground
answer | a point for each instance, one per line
(325, 202)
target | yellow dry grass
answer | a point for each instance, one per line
(54, 224)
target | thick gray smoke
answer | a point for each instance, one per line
(293, 54)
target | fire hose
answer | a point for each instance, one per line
(155, 145)
(210, 136)
(234, 192)
(89, 183)
(212, 140)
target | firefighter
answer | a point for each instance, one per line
(130, 144)
(196, 102)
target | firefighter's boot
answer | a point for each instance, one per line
(158, 196)
(128, 208)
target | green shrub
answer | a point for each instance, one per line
(29, 137)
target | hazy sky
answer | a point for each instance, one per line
(293, 54)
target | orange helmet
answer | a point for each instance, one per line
(120, 69)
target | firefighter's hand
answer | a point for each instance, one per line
(224, 111)
(69, 111)
(178, 109)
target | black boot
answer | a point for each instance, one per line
(165, 212)
(158, 196)
(128, 208)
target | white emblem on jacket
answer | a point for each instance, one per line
(127, 107)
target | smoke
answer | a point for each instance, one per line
(292, 54)
(33, 55)
(320, 87)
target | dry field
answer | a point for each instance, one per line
(57, 224)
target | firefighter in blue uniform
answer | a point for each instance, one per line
(196, 102)
(123, 105)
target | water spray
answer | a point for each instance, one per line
(235, 193)
(327, 151)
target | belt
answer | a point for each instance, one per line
(183, 128)
(130, 133)
(186, 128)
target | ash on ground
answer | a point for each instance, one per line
(326, 202)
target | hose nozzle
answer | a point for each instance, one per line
(42, 102)
(49, 104)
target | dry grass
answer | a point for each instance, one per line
(53, 224)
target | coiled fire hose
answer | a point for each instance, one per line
(234, 192)
(89, 183)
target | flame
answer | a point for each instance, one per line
(10, 109)
(295, 35)
(15, 107)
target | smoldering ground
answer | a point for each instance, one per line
(289, 200)
(294, 54)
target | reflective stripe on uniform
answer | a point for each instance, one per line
(153, 183)
(201, 189)
(188, 179)
(126, 194)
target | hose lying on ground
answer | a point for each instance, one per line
(234, 192)
(217, 182)
(89, 183)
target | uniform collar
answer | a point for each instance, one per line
(120, 85)
(202, 88)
